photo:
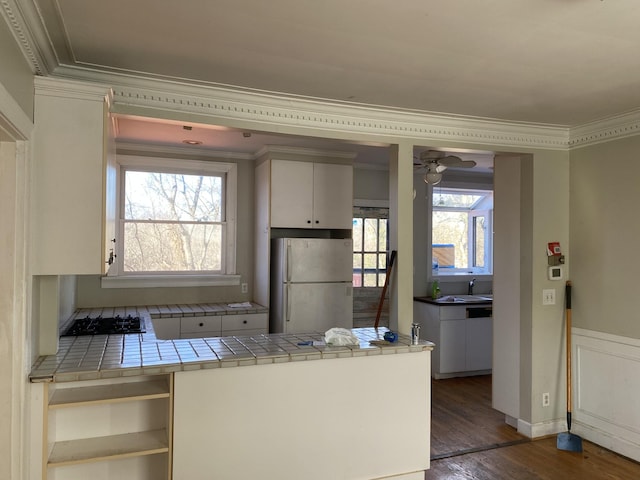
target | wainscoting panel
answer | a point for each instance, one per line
(606, 398)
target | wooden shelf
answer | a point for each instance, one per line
(72, 397)
(108, 448)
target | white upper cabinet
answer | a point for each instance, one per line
(70, 181)
(311, 195)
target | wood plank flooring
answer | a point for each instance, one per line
(470, 441)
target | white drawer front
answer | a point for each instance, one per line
(249, 321)
(200, 324)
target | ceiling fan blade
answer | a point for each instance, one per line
(453, 161)
(440, 168)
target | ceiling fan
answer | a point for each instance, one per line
(436, 162)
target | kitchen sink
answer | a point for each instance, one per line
(466, 298)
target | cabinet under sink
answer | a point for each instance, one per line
(463, 335)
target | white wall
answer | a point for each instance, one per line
(506, 286)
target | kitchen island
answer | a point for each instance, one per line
(289, 410)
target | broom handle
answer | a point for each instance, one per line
(568, 347)
(384, 288)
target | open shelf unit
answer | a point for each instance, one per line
(103, 421)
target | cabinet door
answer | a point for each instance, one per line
(452, 348)
(332, 196)
(68, 179)
(479, 344)
(291, 194)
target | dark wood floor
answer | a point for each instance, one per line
(469, 440)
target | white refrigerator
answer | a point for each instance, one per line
(311, 285)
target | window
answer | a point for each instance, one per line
(370, 246)
(462, 233)
(177, 217)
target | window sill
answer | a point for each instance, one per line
(159, 281)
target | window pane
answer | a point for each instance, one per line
(382, 234)
(382, 261)
(450, 239)
(370, 280)
(370, 260)
(171, 196)
(456, 200)
(357, 234)
(170, 247)
(479, 229)
(370, 234)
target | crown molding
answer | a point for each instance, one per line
(224, 104)
(605, 130)
(30, 35)
(191, 152)
(13, 121)
(56, 87)
(304, 151)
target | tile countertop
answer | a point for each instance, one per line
(108, 356)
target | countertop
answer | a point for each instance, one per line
(449, 300)
(108, 356)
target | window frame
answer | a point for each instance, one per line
(477, 209)
(117, 278)
(359, 212)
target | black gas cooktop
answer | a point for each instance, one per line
(105, 326)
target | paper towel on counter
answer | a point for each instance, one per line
(239, 305)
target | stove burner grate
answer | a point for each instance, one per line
(105, 326)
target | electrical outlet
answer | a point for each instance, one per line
(549, 296)
(244, 287)
(545, 399)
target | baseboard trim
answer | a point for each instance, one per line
(542, 429)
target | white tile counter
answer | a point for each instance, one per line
(110, 356)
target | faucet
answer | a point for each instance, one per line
(472, 282)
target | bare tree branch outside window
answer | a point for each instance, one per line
(173, 222)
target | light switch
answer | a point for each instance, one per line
(549, 296)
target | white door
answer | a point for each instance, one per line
(317, 307)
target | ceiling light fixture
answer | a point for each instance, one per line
(432, 178)
(192, 142)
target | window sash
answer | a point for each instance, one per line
(226, 171)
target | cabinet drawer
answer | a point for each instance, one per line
(249, 321)
(200, 324)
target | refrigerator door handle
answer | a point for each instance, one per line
(287, 315)
(288, 260)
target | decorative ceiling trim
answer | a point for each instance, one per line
(304, 151)
(606, 130)
(191, 152)
(55, 87)
(30, 35)
(13, 120)
(221, 104)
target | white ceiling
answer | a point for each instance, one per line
(560, 62)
